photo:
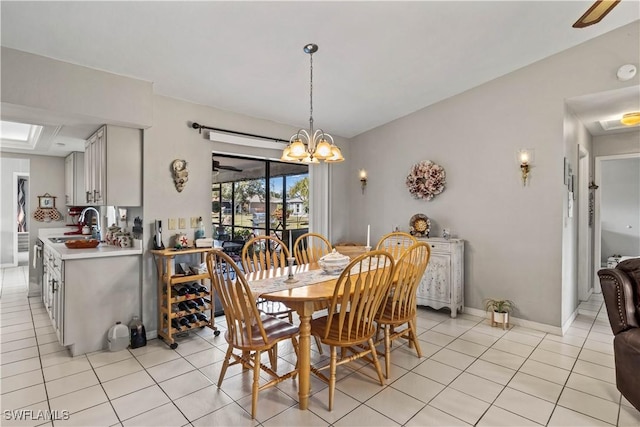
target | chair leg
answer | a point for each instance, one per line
(414, 337)
(372, 347)
(256, 384)
(273, 357)
(332, 376)
(387, 351)
(225, 365)
(319, 344)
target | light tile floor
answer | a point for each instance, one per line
(471, 374)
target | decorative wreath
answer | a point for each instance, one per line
(426, 180)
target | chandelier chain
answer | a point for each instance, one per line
(311, 92)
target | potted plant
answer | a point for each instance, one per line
(499, 309)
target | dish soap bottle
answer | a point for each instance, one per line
(199, 233)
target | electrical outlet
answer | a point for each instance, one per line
(194, 221)
(182, 223)
(172, 224)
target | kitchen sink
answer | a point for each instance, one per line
(67, 238)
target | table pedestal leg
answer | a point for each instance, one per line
(305, 310)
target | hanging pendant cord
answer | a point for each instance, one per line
(311, 93)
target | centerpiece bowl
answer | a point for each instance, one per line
(334, 262)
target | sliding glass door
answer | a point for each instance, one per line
(258, 197)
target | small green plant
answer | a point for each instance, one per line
(499, 305)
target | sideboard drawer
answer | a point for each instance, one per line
(440, 246)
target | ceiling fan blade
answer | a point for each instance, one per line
(229, 168)
(595, 13)
(217, 166)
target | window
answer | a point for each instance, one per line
(260, 197)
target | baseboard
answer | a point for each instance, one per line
(569, 321)
(519, 322)
(152, 334)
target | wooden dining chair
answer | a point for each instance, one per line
(310, 247)
(399, 305)
(248, 330)
(350, 325)
(396, 243)
(262, 253)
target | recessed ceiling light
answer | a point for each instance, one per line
(631, 119)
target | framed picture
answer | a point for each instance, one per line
(566, 172)
(46, 201)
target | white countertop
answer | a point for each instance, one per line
(103, 250)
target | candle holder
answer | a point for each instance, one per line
(290, 278)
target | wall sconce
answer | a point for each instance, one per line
(363, 179)
(525, 159)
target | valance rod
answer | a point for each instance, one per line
(233, 132)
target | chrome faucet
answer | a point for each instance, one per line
(81, 219)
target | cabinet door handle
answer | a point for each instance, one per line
(88, 196)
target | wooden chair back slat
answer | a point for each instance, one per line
(310, 247)
(264, 252)
(244, 326)
(360, 290)
(396, 243)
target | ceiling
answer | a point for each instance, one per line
(377, 61)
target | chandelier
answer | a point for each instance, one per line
(311, 146)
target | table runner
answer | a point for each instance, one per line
(305, 278)
(275, 284)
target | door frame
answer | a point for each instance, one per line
(585, 235)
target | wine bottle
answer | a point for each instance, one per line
(175, 324)
(191, 304)
(202, 317)
(199, 301)
(200, 289)
(184, 321)
(180, 290)
(183, 306)
(191, 318)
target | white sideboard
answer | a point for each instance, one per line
(442, 284)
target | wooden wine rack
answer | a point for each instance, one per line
(167, 279)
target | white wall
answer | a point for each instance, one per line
(617, 143)
(514, 234)
(620, 207)
(37, 82)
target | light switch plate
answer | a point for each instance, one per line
(172, 224)
(182, 223)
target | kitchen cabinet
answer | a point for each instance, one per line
(442, 284)
(84, 297)
(53, 290)
(74, 179)
(168, 300)
(113, 167)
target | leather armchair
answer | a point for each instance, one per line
(621, 291)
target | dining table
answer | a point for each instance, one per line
(308, 291)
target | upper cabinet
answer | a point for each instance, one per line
(113, 167)
(74, 179)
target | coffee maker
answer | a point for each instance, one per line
(157, 238)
